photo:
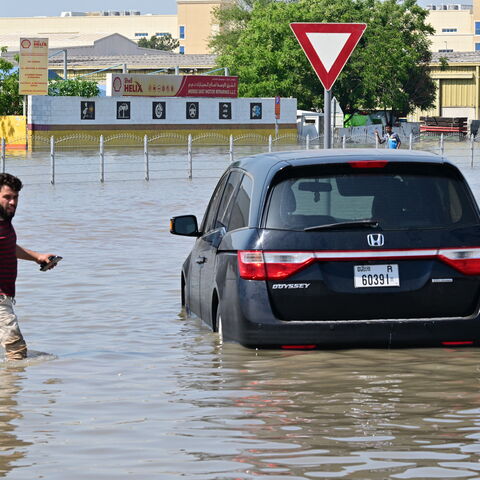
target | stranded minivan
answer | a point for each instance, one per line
(337, 249)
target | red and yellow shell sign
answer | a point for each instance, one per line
(143, 85)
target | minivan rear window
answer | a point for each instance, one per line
(407, 196)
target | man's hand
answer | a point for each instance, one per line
(43, 257)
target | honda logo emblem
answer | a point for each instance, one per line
(375, 239)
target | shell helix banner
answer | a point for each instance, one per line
(143, 85)
(33, 66)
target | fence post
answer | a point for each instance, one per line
(376, 141)
(410, 141)
(269, 143)
(3, 155)
(145, 153)
(472, 148)
(231, 149)
(344, 142)
(52, 160)
(102, 159)
(442, 146)
(189, 157)
(307, 142)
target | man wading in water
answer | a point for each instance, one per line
(10, 336)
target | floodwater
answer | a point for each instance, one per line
(122, 386)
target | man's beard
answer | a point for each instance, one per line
(5, 215)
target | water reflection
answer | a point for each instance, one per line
(12, 448)
(353, 414)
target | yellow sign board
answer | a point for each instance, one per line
(33, 66)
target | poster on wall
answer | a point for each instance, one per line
(225, 111)
(123, 110)
(144, 85)
(87, 110)
(255, 111)
(33, 63)
(159, 110)
(192, 112)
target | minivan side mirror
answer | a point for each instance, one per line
(184, 225)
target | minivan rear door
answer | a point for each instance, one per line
(372, 241)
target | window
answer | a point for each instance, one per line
(477, 46)
(406, 197)
(445, 50)
(141, 34)
(181, 50)
(161, 34)
(239, 215)
(211, 213)
(181, 31)
(227, 200)
(477, 28)
(449, 30)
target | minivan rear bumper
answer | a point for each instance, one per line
(361, 334)
(253, 324)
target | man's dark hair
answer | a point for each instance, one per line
(10, 181)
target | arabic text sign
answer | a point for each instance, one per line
(142, 85)
(33, 66)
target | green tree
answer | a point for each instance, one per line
(387, 70)
(161, 42)
(73, 87)
(11, 102)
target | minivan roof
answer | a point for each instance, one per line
(262, 163)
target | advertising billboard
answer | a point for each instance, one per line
(33, 66)
(143, 85)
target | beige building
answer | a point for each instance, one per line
(454, 27)
(192, 26)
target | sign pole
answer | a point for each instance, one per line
(327, 119)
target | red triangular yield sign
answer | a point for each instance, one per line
(328, 46)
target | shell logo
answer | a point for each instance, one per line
(26, 43)
(117, 84)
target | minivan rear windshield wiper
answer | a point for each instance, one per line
(341, 225)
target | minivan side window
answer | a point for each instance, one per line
(239, 216)
(227, 199)
(211, 213)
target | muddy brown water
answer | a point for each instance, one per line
(122, 385)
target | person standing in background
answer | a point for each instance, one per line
(389, 136)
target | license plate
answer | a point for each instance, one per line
(366, 276)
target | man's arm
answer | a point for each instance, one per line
(25, 254)
(380, 140)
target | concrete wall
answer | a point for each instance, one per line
(75, 120)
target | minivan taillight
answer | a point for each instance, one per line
(268, 265)
(464, 260)
(258, 265)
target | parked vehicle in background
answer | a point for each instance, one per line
(336, 249)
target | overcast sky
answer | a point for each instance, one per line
(52, 8)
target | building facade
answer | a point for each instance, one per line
(193, 26)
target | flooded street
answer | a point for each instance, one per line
(122, 386)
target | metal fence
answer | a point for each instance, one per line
(167, 156)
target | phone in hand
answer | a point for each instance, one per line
(52, 261)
